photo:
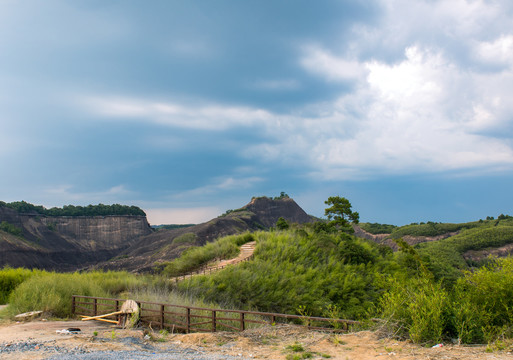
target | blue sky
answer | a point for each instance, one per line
(190, 108)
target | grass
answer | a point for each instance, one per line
(10, 278)
(195, 257)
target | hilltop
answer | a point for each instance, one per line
(260, 213)
(117, 236)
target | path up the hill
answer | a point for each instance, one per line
(246, 251)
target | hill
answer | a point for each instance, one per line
(117, 236)
(64, 243)
(166, 244)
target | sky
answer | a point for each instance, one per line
(190, 108)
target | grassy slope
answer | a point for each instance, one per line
(289, 270)
(445, 256)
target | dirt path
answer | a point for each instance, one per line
(276, 343)
(246, 251)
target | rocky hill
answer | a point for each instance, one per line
(68, 243)
(65, 243)
(164, 245)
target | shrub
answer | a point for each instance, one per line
(416, 309)
(52, 293)
(10, 228)
(187, 238)
(483, 302)
(10, 278)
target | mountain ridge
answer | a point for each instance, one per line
(122, 242)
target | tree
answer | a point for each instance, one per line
(340, 214)
(282, 224)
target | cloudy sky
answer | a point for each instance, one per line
(190, 108)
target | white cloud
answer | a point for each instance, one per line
(421, 114)
(331, 67)
(429, 109)
(497, 52)
(202, 117)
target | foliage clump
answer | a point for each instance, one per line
(72, 210)
(11, 229)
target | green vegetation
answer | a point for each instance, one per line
(10, 278)
(282, 224)
(445, 257)
(428, 293)
(11, 229)
(195, 257)
(476, 310)
(51, 292)
(187, 238)
(72, 210)
(375, 228)
(431, 229)
(316, 271)
(340, 213)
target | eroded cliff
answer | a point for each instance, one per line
(66, 243)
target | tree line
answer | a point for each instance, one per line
(72, 210)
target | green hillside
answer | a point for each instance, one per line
(445, 257)
(302, 269)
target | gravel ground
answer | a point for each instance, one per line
(51, 351)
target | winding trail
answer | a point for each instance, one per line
(246, 252)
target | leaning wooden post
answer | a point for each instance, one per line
(73, 305)
(214, 325)
(242, 327)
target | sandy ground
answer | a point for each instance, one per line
(266, 343)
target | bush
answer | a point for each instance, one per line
(483, 303)
(187, 238)
(52, 293)
(416, 309)
(11, 229)
(10, 278)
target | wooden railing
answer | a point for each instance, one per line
(206, 270)
(193, 319)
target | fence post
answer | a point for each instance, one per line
(73, 305)
(188, 320)
(242, 321)
(214, 325)
(95, 306)
(273, 320)
(162, 316)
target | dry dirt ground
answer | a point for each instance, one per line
(265, 343)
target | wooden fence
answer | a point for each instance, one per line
(179, 318)
(206, 270)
